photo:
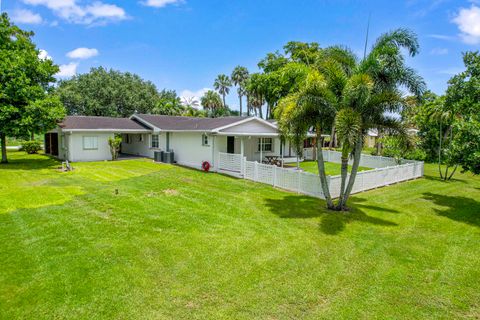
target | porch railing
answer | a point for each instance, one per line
(230, 162)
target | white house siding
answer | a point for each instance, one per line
(252, 127)
(189, 150)
(77, 153)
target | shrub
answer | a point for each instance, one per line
(31, 147)
(114, 143)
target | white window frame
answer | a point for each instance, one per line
(157, 142)
(94, 143)
(205, 140)
(263, 144)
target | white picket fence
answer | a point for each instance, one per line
(386, 171)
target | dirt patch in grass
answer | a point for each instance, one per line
(171, 192)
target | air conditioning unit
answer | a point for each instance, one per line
(158, 156)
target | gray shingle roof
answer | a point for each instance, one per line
(101, 123)
(188, 123)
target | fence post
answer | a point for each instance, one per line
(275, 176)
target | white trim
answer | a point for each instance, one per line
(241, 134)
(109, 130)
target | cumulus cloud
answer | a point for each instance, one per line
(26, 17)
(160, 3)
(43, 55)
(439, 51)
(67, 70)
(93, 13)
(82, 53)
(188, 94)
(468, 21)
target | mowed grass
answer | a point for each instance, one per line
(331, 168)
(138, 240)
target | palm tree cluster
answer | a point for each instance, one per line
(354, 95)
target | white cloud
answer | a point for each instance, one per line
(188, 94)
(468, 21)
(26, 17)
(439, 51)
(82, 53)
(67, 70)
(43, 55)
(441, 37)
(160, 3)
(94, 13)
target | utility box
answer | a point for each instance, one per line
(168, 157)
(158, 156)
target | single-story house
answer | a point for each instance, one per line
(192, 140)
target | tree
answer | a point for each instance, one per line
(103, 92)
(211, 101)
(222, 84)
(114, 143)
(25, 83)
(239, 77)
(168, 103)
(358, 94)
(190, 102)
(463, 101)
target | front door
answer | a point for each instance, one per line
(230, 144)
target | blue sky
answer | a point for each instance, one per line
(184, 44)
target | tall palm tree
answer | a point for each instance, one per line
(358, 94)
(211, 101)
(239, 77)
(222, 84)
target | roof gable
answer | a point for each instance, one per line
(251, 126)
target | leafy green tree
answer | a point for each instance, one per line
(114, 143)
(25, 83)
(211, 102)
(222, 84)
(462, 101)
(103, 92)
(239, 77)
(301, 52)
(168, 103)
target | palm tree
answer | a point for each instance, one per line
(190, 102)
(211, 101)
(239, 77)
(222, 84)
(358, 94)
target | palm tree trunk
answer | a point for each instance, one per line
(353, 174)
(332, 138)
(3, 141)
(344, 174)
(322, 174)
(260, 111)
(224, 104)
(240, 105)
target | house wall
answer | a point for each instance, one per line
(142, 148)
(77, 153)
(189, 150)
(254, 126)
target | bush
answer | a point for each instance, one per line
(31, 147)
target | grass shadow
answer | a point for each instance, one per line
(457, 208)
(331, 222)
(29, 162)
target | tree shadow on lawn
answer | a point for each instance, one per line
(31, 162)
(331, 222)
(458, 208)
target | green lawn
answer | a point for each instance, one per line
(331, 169)
(181, 244)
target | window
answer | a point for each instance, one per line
(266, 143)
(154, 141)
(128, 139)
(204, 139)
(140, 138)
(90, 143)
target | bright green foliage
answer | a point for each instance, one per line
(465, 147)
(168, 104)
(103, 92)
(176, 243)
(114, 143)
(211, 101)
(31, 147)
(25, 80)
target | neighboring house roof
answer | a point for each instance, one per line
(89, 123)
(176, 123)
